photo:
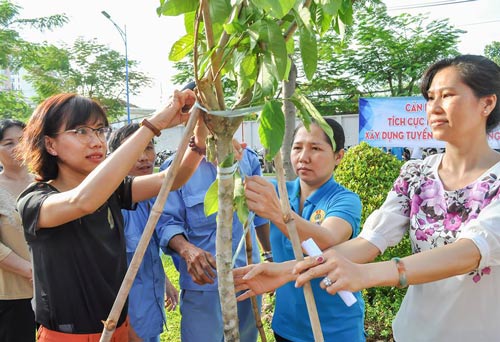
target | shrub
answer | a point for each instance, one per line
(370, 172)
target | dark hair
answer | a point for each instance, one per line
(58, 112)
(122, 133)
(338, 133)
(5, 124)
(479, 73)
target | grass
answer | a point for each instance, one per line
(173, 331)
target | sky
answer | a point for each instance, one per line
(149, 37)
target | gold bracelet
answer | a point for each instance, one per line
(403, 282)
(146, 123)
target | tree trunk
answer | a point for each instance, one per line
(223, 129)
(224, 251)
(289, 110)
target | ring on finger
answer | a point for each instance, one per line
(327, 282)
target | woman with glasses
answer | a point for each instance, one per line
(151, 291)
(16, 289)
(71, 215)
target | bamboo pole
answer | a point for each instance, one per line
(297, 249)
(255, 306)
(114, 315)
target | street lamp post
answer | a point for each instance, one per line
(123, 34)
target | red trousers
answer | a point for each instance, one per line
(47, 335)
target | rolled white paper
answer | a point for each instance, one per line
(313, 250)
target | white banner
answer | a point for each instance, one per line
(400, 122)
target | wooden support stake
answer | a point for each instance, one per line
(255, 307)
(297, 249)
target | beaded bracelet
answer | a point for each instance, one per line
(146, 123)
(195, 148)
(403, 282)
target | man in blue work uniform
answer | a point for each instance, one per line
(151, 291)
(191, 241)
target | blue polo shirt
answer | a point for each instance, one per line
(338, 322)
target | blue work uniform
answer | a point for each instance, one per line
(200, 304)
(147, 295)
(338, 322)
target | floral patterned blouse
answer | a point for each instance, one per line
(459, 308)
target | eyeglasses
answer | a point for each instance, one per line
(84, 134)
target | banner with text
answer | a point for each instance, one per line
(400, 122)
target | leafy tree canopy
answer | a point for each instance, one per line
(381, 55)
(15, 51)
(492, 51)
(87, 68)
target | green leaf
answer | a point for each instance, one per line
(239, 199)
(268, 63)
(276, 8)
(220, 10)
(308, 51)
(228, 161)
(267, 79)
(234, 27)
(177, 7)
(345, 12)
(247, 71)
(302, 113)
(330, 6)
(241, 207)
(322, 20)
(290, 46)
(277, 46)
(307, 106)
(189, 19)
(181, 48)
(211, 202)
(272, 127)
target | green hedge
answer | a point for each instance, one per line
(370, 173)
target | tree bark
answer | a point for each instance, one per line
(224, 242)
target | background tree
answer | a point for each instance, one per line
(87, 68)
(381, 55)
(492, 51)
(13, 105)
(15, 51)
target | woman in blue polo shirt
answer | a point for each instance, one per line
(323, 210)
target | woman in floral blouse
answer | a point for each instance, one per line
(450, 205)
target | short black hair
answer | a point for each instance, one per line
(122, 133)
(5, 124)
(338, 133)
